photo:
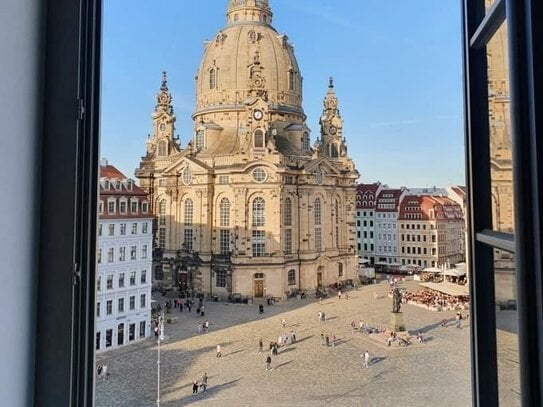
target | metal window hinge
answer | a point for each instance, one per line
(76, 275)
(80, 109)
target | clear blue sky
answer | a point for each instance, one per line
(397, 69)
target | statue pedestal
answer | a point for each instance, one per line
(396, 322)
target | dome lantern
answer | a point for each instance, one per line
(253, 11)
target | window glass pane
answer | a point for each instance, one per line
(501, 172)
(506, 324)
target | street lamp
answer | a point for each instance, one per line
(160, 339)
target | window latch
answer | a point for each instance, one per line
(76, 276)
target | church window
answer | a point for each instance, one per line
(291, 80)
(317, 209)
(225, 241)
(162, 238)
(189, 212)
(162, 148)
(236, 17)
(288, 212)
(212, 78)
(334, 153)
(224, 179)
(259, 243)
(259, 175)
(259, 139)
(291, 277)
(187, 176)
(287, 244)
(224, 212)
(259, 208)
(305, 142)
(199, 139)
(318, 239)
(162, 212)
(220, 278)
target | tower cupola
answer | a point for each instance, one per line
(253, 11)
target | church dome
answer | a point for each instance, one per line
(248, 58)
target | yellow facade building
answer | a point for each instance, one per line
(248, 205)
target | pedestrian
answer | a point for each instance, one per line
(260, 346)
(366, 359)
(333, 340)
(189, 305)
(390, 339)
(420, 337)
(353, 326)
(268, 363)
(203, 383)
(156, 331)
(339, 294)
(199, 328)
(360, 325)
(195, 387)
(327, 340)
(320, 300)
(284, 322)
(280, 340)
(219, 354)
(293, 336)
(202, 309)
(180, 306)
(322, 339)
(458, 320)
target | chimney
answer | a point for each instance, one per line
(103, 162)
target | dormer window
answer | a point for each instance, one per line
(129, 184)
(259, 139)
(106, 184)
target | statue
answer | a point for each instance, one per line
(396, 300)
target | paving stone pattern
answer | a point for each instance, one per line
(306, 373)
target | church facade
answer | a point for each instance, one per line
(249, 206)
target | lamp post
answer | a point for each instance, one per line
(160, 339)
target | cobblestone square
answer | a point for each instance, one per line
(436, 372)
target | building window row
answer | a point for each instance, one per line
(123, 204)
(121, 280)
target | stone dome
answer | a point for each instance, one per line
(248, 58)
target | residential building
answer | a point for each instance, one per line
(366, 198)
(386, 231)
(123, 258)
(248, 206)
(431, 231)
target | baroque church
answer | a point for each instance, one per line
(248, 205)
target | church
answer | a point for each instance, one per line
(248, 206)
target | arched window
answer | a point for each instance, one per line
(334, 153)
(236, 17)
(288, 212)
(224, 209)
(305, 142)
(212, 78)
(189, 212)
(317, 209)
(259, 208)
(259, 139)
(162, 148)
(291, 80)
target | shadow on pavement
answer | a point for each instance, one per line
(211, 391)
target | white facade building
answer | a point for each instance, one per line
(386, 231)
(124, 256)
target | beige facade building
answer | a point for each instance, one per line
(431, 231)
(248, 205)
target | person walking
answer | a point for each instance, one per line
(322, 339)
(260, 346)
(284, 322)
(327, 340)
(366, 359)
(333, 340)
(180, 306)
(458, 320)
(203, 383)
(353, 326)
(339, 294)
(195, 387)
(268, 363)
(293, 336)
(219, 354)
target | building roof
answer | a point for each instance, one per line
(389, 199)
(366, 195)
(429, 207)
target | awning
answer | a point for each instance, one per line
(455, 272)
(448, 288)
(432, 270)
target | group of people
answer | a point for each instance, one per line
(433, 299)
(200, 384)
(203, 328)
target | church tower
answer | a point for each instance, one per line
(249, 206)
